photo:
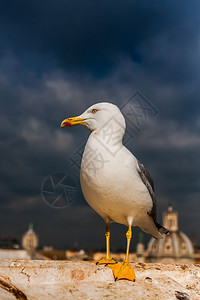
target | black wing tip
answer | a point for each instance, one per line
(162, 229)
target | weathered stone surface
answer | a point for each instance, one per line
(28, 279)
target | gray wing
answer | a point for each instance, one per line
(148, 182)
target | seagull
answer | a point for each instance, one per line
(114, 182)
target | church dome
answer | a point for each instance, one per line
(175, 247)
(30, 239)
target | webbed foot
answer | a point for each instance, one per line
(123, 271)
(105, 261)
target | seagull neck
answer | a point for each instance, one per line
(110, 135)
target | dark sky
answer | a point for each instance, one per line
(59, 57)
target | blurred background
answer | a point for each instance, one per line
(57, 59)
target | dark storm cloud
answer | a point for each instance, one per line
(93, 35)
(58, 58)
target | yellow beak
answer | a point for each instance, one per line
(71, 122)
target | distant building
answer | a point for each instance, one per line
(119, 257)
(14, 254)
(30, 241)
(53, 254)
(9, 243)
(173, 248)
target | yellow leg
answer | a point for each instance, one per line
(128, 237)
(108, 259)
(124, 270)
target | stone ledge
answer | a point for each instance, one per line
(29, 279)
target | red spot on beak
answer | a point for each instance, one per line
(68, 124)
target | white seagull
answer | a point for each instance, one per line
(114, 183)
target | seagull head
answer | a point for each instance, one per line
(97, 117)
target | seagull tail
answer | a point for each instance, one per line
(152, 227)
(162, 229)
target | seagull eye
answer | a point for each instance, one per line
(94, 111)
